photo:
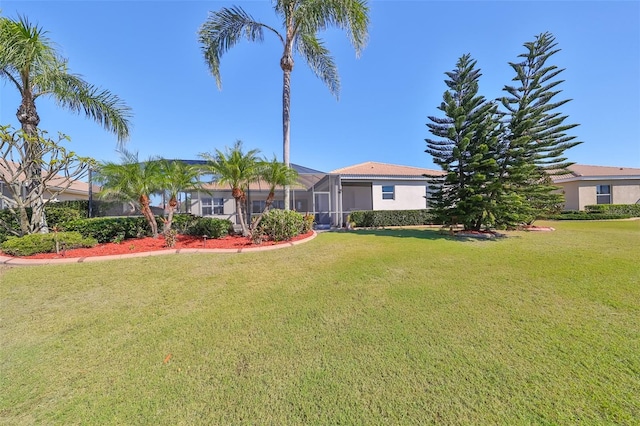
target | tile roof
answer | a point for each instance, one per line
(372, 168)
(582, 171)
(55, 183)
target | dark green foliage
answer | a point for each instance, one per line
(466, 150)
(108, 229)
(498, 171)
(380, 218)
(9, 225)
(58, 216)
(536, 137)
(307, 225)
(45, 243)
(182, 222)
(577, 215)
(210, 226)
(279, 225)
(624, 209)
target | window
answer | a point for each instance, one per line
(257, 206)
(218, 206)
(206, 206)
(388, 192)
(603, 194)
(211, 206)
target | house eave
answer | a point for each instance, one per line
(595, 178)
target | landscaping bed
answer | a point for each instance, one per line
(146, 244)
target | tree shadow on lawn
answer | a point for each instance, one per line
(423, 234)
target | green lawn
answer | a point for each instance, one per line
(367, 327)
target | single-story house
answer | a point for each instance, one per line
(330, 197)
(59, 188)
(588, 185)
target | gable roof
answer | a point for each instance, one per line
(372, 169)
(586, 172)
(56, 183)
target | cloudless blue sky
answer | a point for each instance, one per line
(147, 52)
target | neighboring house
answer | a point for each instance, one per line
(330, 197)
(59, 188)
(589, 185)
(381, 186)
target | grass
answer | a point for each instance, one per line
(371, 327)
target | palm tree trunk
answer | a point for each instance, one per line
(148, 214)
(286, 63)
(29, 119)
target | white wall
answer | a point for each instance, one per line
(409, 195)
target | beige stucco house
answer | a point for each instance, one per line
(588, 185)
(330, 197)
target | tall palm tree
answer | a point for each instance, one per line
(276, 175)
(301, 22)
(177, 176)
(132, 181)
(30, 62)
(237, 169)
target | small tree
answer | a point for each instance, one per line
(275, 174)
(132, 181)
(536, 137)
(29, 193)
(466, 150)
(176, 176)
(237, 169)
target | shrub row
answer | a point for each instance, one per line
(45, 243)
(378, 218)
(632, 210)
(577, 215)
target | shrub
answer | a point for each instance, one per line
(379, 218)
(45, 243)
(577, 215)
(280, 225)
(632, 210)
(307, 224)
(210, 226)
(58, 216)
(107, 229)
(182, 222)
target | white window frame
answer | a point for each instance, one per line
(217, 206)
(206, 205)
(388, 194)
(602, 196)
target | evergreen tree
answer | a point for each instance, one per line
(536, 138)
(466, 151)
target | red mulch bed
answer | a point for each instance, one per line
(139, 245)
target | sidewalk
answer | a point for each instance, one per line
(18, 261)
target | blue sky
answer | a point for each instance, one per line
(147, 52)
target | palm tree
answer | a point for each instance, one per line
(30, 62)
(237, 169)
(276, 175)
(177, 176)
(132, 181)
(301, 22)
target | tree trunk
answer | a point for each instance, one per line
(148, 214)
(267, 206)
(286, 63)
(28, 117)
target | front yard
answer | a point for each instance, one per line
(367, 327)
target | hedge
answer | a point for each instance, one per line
(632, 210)
(379, 218)
(577, 215)
(45, 243)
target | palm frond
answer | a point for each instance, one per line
(320, 61)
(224, 29)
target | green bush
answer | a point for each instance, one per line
(280, 225)
(107, 229)
(577, 215)
(45, 243)
(379, 218)
(307, 224)
(58, 216)
(182, 222)
(632, 210)
(210, 226)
